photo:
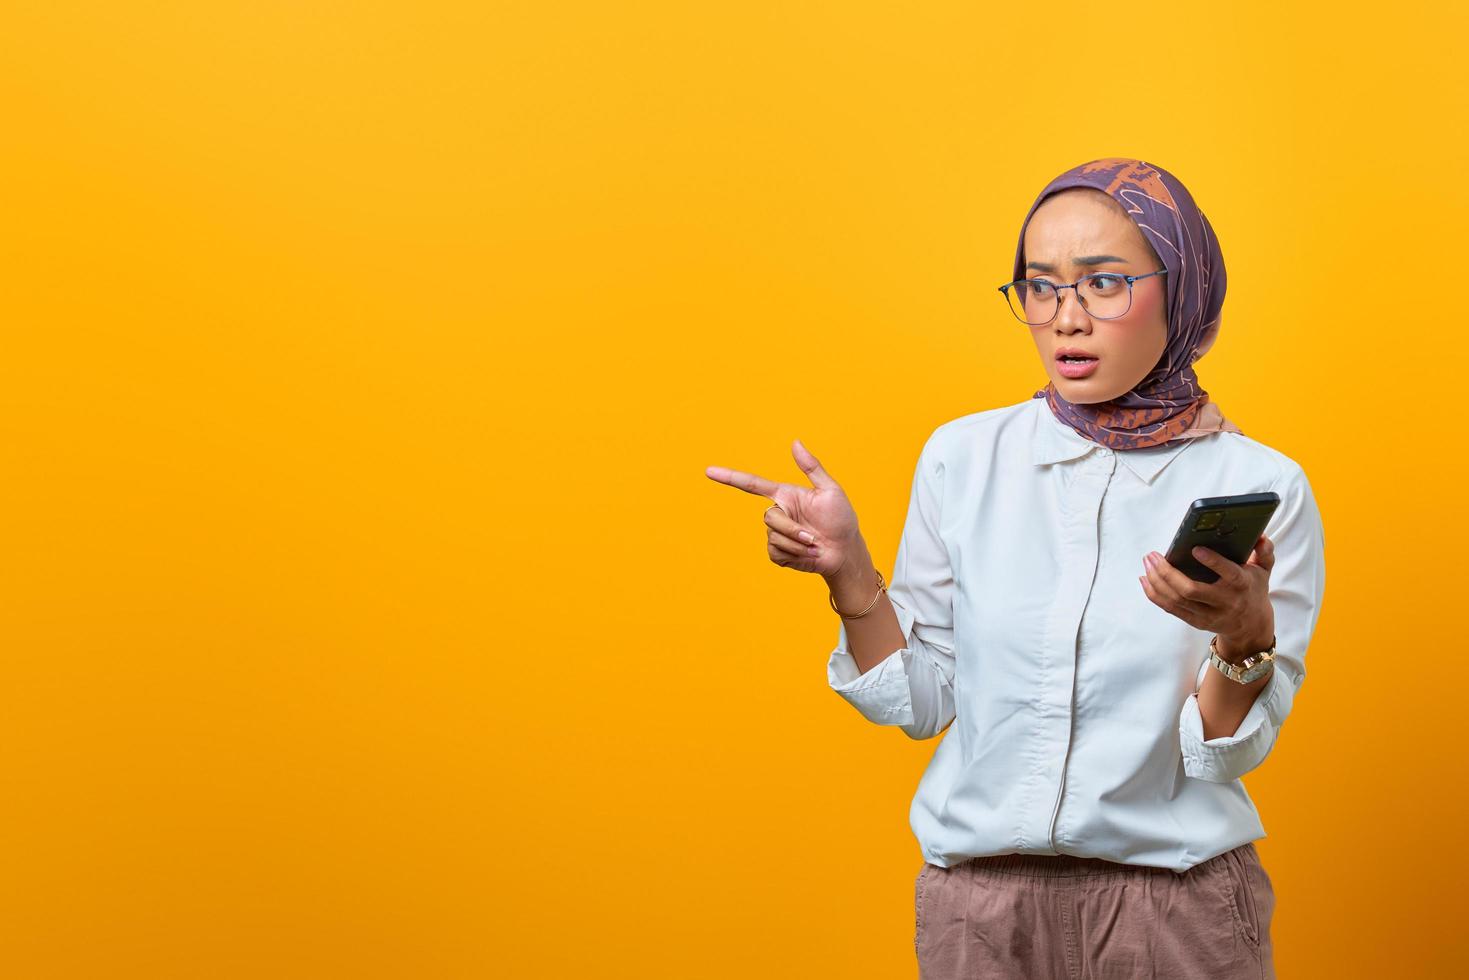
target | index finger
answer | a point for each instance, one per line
(1204, 593)
(748, 482)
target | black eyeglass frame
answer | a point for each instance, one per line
(1005, 291)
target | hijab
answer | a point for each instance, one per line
(1168, 403)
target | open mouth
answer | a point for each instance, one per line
(1074, 355)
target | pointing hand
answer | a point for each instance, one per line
(810, 529)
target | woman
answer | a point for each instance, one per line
(1084, 815)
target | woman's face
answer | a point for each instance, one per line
(1076, 232)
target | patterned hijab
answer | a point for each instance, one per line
(1168, 403)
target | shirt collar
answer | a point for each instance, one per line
(1057, 442)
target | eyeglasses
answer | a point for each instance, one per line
(1103, 295)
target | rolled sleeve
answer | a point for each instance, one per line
(913, 687)
(1297, 587)
(1228, 757)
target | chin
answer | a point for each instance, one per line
(1084, 391)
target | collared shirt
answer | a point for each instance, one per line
(1075, 722)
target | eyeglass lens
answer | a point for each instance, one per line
(1104, 296)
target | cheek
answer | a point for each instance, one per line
(1149, 318)
(1146, 306)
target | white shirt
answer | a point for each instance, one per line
(1076, 728)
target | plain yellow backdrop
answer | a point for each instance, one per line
(367, 611)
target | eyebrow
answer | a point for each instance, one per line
(1080, 260)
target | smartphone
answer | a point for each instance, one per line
(1228, 525)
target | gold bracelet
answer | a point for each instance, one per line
(881, 588)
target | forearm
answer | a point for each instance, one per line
(872, 638)
(1224, 703)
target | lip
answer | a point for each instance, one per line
(1076, 351)
(1068, 370)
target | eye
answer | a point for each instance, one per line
(1105, 285)
(1041, 288)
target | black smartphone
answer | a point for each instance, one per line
(1228, 525)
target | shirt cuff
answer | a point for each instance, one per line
(1228, 757)
(882, 695)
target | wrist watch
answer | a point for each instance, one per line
(1252, 668)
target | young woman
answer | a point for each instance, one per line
(1084, 814)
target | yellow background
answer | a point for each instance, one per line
(367, 610)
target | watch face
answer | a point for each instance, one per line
(1256, 672)
(1251, 668)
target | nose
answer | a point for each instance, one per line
(1071, 317)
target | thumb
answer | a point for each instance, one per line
(811, 466)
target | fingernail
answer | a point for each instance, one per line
(813, 551)
(807, 537)
(1148, 559)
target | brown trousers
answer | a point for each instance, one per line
(1038, 917)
